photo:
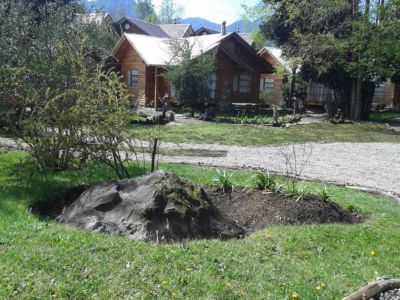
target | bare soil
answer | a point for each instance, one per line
(255, 209)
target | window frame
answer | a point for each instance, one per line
(133, 78)
(269, 85)
(242, 82)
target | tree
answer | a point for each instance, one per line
(170, 12)
(190, 75)
(334, 40)
(145, 11)
(67, 108)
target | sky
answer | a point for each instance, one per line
(213, 10)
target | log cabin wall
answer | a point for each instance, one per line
(385, 94)
(130, 60)
(271, 85)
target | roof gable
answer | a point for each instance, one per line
(157, 51)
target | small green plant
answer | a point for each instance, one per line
(298, 190)
(265, 181)
(224, 181)
(323, 194)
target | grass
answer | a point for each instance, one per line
(40, 259)
(229, 134)
(383, 117)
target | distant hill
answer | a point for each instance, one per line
(200, 22)
(117, 8)
(121, 8)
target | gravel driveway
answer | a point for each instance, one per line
(369, 165)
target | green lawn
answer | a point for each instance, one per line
(229, 134)
(383, 117)
(40, 259)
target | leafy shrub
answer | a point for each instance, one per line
(223, 181)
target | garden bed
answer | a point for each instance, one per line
(252, 209)
(256, 210)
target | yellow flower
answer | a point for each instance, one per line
(318, 288)
(173, 294)
(323, 285)
(373, 253)
(241, 293)
(295, 295)
(228, 285)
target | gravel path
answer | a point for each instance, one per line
(368, 165)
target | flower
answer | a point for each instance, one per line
(373, 253)
(295, 295)
(228, 285)
(173, 294)
(322, 285)
(318, 288)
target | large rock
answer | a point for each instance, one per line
(159, 207)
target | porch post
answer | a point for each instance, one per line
(155, 88)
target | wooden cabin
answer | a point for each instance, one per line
(143, 59)
(386, 93)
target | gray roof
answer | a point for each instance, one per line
(150, 29)
(175, 30)
(247, 37)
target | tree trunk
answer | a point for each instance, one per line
(292, 87)
(367, 95)
(356, 99)
(353, 98)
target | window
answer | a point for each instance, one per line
(269, 86)
(242, 82)
(133, 78)
(380, 90)
(212, 85)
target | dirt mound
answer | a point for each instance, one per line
(255, 210)
(159, 207)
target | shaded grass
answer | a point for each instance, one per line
(42, 259)
(383, 117)
(229, 134)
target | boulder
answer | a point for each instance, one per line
(160, 207)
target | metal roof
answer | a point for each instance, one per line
(149, 28)
(247, 37)
(157, 51)
(175, 30)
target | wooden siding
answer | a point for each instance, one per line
(387, 97)
(275, 96)
(130, 60)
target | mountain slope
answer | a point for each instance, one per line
(117, 8)
(201, 22)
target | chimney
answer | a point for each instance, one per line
(223, 28)
(238, 29)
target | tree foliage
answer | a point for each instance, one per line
(145, 11)
(188, 75)
(337, 43)
(66, 108)
(170, 11)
